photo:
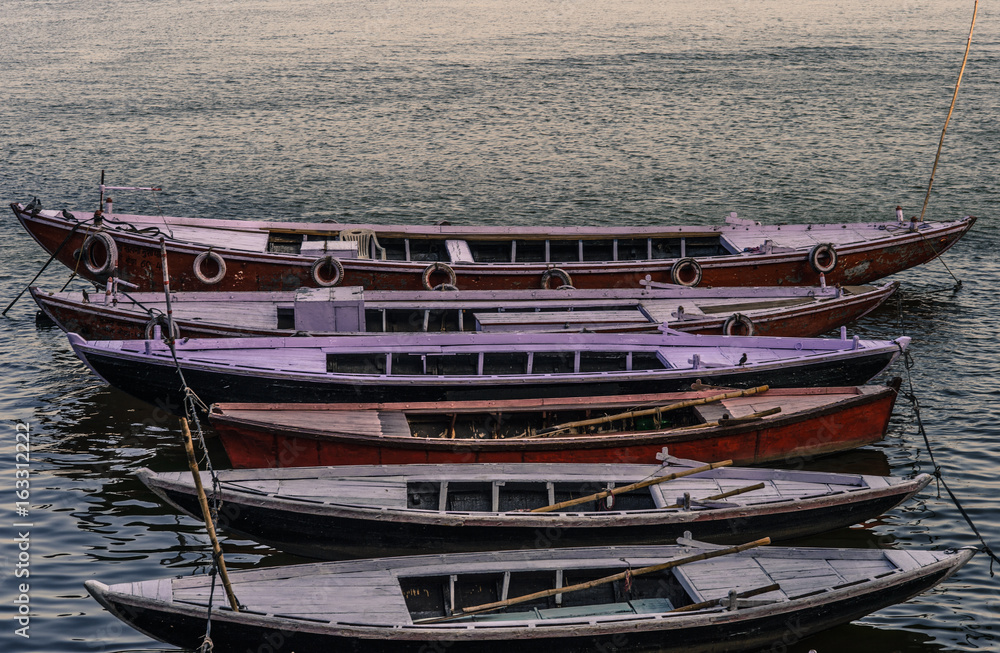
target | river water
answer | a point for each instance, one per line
(544, 112)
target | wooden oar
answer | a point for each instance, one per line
(648, 411)
(724, 495)
(487, 607)
(773, 587)
(633, 486)
(732, 420)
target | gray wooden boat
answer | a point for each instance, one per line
(365, 510)
(692, 597)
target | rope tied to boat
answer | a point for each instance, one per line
(210, 513)
(55, 253)
(912, 398)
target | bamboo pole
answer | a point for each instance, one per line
(207, 514)
(633, 486)
(487, 607)
(724, 495)
(649, 411)
(954, 97)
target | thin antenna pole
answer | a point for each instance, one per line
(954, 97)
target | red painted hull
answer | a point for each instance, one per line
(96, 321)
(787, 439)
(139, 262)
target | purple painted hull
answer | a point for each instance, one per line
(425, 367)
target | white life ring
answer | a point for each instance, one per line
(161, 319)
(319, 264)
(823, 258)
(220, 263)
(565, 281)
(110, 250)
(445, 286)
(738, 321)
(686, 272)
(438, 266)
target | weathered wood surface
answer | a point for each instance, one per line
(368, 591)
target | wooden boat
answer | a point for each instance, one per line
(691, 597)
(362, 511)
(212, 254)
(791, 425)
(456, 366)
(792, 311)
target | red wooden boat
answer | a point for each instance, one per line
(810, 422)
(212, 254)
(774, 311)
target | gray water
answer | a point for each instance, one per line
(544, 112)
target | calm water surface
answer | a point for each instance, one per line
(545, 112)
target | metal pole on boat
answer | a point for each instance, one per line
(166, 290)
(207, 515)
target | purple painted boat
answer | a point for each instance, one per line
(772, 311)
(456, 366)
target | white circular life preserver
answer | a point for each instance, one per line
(565, 281)
(444, 286)
(219, 263)
(686, 272)
(738, 321)
(823, 258)
(438, 266)
(319, 264)
(161, 319)
(110, 249)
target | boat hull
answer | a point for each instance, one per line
(157, 382)
(96, 320)
(717, 632)
(139, 262)
(336, 532)
(788, 439)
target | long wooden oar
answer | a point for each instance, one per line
(732, 420)
(487, 607)
(633, 486)
(773, 587)
(648, 411)
(724, 495)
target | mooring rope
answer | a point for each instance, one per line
(912, 397)
(54, 254)
(192, 403)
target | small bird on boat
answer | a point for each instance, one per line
(69, 216)
(743, 359)
(34, 206)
